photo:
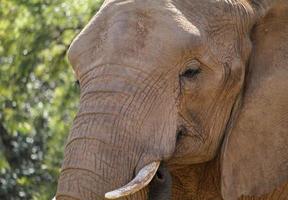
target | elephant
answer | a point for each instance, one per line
(180, 100)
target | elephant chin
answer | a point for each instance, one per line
(142, 179)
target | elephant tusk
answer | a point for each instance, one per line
(142, 179)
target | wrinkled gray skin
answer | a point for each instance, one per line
(180, 81)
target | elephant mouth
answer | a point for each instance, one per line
(141, 180)
(144, 176)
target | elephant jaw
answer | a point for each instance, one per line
(142, 179)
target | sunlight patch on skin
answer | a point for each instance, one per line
(183, 21)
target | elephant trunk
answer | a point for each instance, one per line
(111, 139)
(93, 165)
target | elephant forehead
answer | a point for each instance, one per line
(139, 33)
(144, 31)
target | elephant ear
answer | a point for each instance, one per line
(254, 157)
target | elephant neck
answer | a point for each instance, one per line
(203, 181)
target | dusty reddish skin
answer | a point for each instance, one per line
(132, 61)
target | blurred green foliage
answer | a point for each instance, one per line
(38, 94)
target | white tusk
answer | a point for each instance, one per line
(143, 178)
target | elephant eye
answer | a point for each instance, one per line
(190, 73)
(192, 69)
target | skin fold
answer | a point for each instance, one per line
(200, 85)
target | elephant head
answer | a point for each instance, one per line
(179, 82)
